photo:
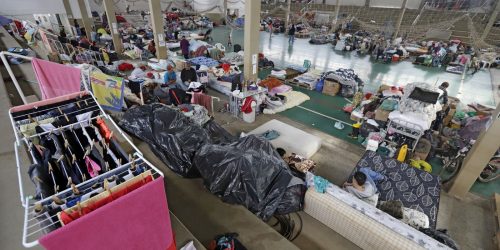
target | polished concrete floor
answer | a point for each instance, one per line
(473, 88)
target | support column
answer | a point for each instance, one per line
(287, 18)
(251, 39)
(69, 17)
(159, 33)
(493, 19)
(336, 17)
(367, 3)
(485, 147)
(86, 20)
(400, 20)
(224, 12)
(113, 25)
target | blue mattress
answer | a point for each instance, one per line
(415, 188)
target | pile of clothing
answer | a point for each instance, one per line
(416, 101)
(233, 58)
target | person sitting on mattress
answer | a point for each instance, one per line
(363, 187)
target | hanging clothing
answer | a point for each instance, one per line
(56, 79)
(247, 105)
(203, 100)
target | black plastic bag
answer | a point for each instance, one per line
(293, 199)
(249, 172)
(171, 135)
(218, 134)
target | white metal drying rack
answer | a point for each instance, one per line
(33, 229)
(30, 233)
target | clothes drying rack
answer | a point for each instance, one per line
(34, 228)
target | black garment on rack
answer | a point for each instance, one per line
(39, 173)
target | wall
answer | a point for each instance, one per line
(412, 4)
(13, 8)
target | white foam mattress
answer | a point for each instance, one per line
(291, 139)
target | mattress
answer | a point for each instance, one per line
(415, 188)
(289, 137)
(293, 99)
(363, 224)
(219, 86)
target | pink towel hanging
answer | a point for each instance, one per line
(56, 79)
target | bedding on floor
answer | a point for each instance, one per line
(415, 188)
(219, 86)
(292, 99)
(372, 212)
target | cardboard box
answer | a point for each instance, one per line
(449, 117)
(381, 115)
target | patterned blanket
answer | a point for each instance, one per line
(415, 188)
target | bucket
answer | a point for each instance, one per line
(250, 117)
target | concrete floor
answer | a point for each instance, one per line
(470, 221)
(476, 88)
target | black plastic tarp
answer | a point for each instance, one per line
(171, 135)
(248, 172)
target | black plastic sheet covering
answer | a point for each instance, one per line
(293, 198)
(246, 171)
(249, 172)
(218, 134)
(170, 135)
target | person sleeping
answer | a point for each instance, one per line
(363, 187)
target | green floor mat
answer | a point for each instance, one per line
(318, 122)
(325, 104)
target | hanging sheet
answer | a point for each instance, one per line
(138, 220)
(56, 79)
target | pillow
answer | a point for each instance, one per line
(415, 218)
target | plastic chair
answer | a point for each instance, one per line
(307, 64)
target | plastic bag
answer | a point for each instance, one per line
(170, 135)
(319, 85)
(293, 199)
(249, 172)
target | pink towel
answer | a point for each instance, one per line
(56, 79)
(138, 220)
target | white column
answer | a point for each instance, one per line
(159, 33)
(113, 25)
(400, 20)
(251, 40)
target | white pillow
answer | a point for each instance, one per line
(415, 218)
